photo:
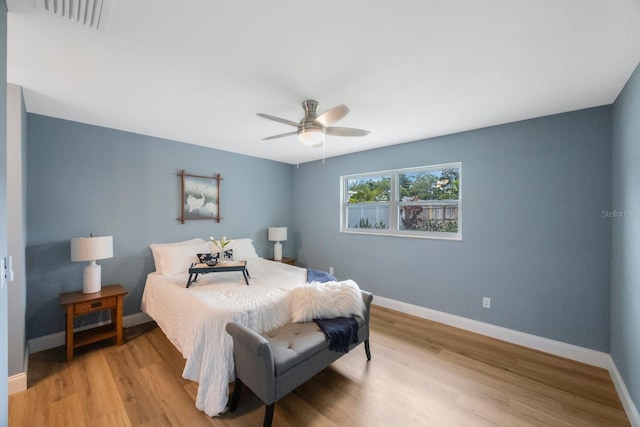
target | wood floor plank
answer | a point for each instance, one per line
(68, 411)
(111, 419)
(140, 402)
(422, 374)
(98, 390)
(177, 406)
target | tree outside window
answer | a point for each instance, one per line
(416, 202)
(429, 200)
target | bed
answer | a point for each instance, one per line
(194, 318)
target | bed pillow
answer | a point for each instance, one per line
(325, 301)
(157, 249)
(176, 259)
(242, 249)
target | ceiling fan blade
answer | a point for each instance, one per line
(280, 136)
(332, 115)
(338, 131)
(278, 119)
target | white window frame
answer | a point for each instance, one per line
(394, 204)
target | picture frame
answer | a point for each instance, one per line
(200, 197)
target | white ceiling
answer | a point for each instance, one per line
(198, 71)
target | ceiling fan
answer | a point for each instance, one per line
(313, 127)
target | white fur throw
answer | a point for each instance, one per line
(325, 301)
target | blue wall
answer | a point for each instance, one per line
(534, 239)
(83, 179)
(625, 278)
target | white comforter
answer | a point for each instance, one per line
(194, 319)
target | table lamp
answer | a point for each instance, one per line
(91, 249)
(277, 234)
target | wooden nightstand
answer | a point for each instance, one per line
(79, 304)
(284, 260)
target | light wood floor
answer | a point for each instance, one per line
(421, 374)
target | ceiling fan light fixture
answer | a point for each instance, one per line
(312, 137)
(313, 127)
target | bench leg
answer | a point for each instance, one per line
(367, 349)
(235, 397)
(268, 414)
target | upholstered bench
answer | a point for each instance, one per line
(275, 363)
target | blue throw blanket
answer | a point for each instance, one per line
(319, 276)
(341, 332)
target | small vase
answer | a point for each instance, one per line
(222, 260)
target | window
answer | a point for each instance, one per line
(416, 202)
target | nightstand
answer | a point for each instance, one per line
(284, 260)
(79, 304)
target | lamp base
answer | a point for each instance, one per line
(277, 251)
(92, 280)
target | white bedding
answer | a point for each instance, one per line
(194, 319)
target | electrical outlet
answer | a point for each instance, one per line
(486, 302)
(330, 270)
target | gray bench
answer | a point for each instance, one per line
(274, 364)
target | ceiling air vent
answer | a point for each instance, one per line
(88, 13)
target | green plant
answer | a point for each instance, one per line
(220, 243)
(439, 226)
(364, 223)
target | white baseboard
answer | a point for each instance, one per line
(46, 342)
(58, 339)
(135, 319)
(546, 345)
(558, 348)
(629, 407)
(17, 383)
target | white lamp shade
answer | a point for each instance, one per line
(312, 137)
(277, 234)
(91, 248)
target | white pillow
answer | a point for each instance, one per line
(242, 249)
(176, 259)
(325, 301)
(156, 250)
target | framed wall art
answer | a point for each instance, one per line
(200, 197)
